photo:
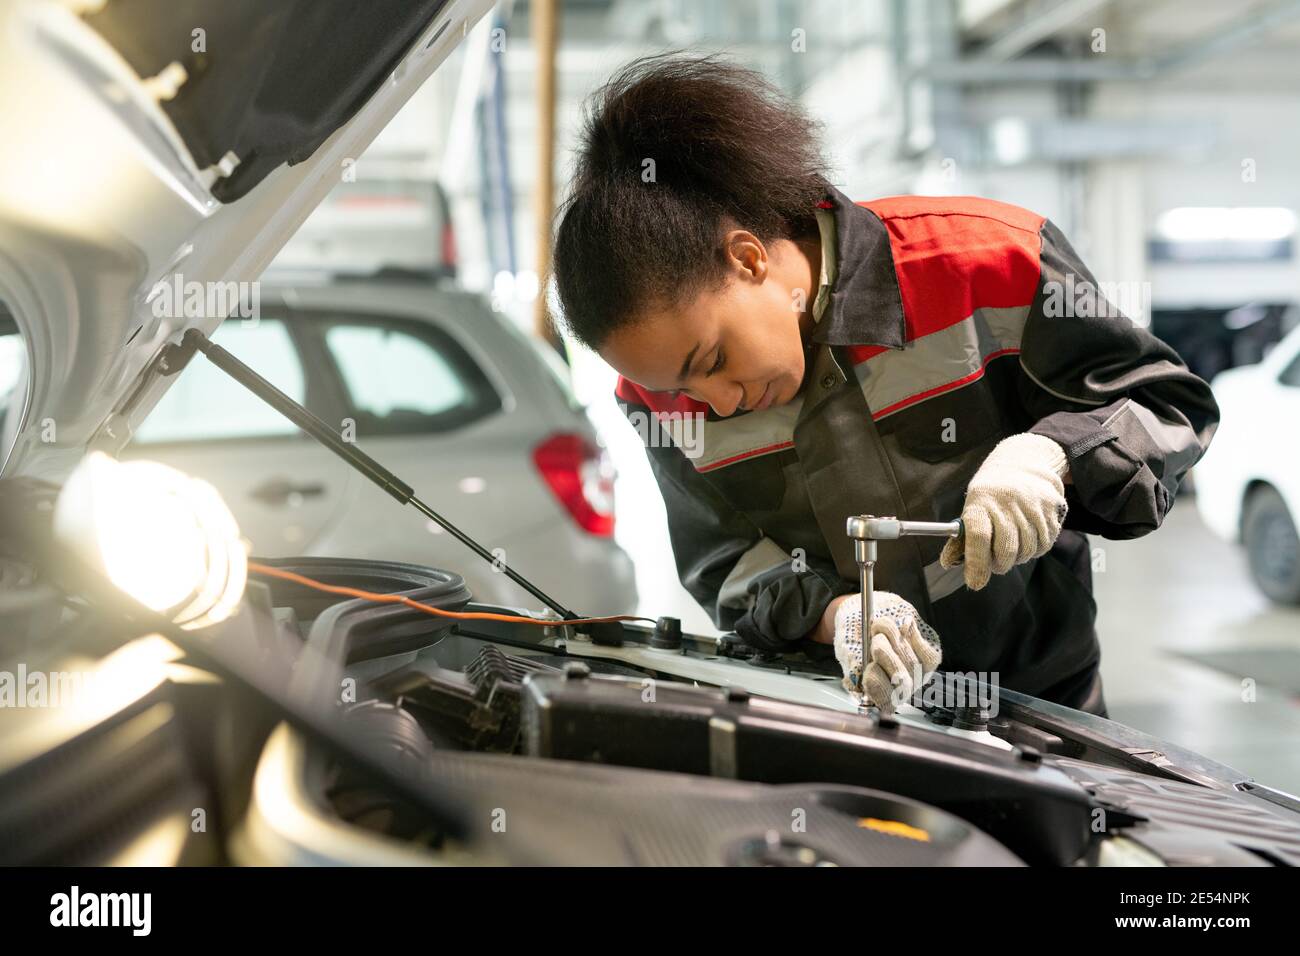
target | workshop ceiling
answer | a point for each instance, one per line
(1217, 46)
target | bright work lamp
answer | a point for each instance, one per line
(164, 538)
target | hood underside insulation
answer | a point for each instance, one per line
(268, 82)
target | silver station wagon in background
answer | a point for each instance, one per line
(447, 393)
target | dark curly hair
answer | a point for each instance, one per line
(672, 149)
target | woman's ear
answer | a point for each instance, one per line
(746, 255)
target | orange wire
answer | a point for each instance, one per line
(426, 608)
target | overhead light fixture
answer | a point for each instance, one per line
(1011, 139)
(1226, 224)
(160, 536)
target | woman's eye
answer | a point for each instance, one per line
(717, 364)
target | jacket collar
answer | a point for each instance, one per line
(865, 305)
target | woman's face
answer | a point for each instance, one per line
(736, 345)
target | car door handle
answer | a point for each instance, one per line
(279, 492)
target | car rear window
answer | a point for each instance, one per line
(403, 377)
(206, 404)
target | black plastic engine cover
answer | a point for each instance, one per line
(1034, 809)
(559, 813)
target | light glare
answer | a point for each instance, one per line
(164, 538)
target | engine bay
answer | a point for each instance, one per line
(562, 745)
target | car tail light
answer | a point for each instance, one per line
(582, 477)
(450, 253)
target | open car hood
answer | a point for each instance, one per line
(155, 147)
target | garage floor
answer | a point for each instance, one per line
(1182, 591)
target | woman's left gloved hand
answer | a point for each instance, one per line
(901, 651)
(1014, 509)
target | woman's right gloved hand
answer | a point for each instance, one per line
(901, 651)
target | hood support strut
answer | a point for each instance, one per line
(176, 357)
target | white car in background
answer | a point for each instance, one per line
(442, 390)
(1248, 484)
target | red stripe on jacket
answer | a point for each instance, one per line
(974, 376)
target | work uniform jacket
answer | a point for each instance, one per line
(947, 325)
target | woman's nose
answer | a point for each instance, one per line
(723, 397)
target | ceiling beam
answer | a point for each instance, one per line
(1047, 19)
(977, 71)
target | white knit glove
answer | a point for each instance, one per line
(904, 649)
(1014, 508)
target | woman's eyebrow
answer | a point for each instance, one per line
(686, 365)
